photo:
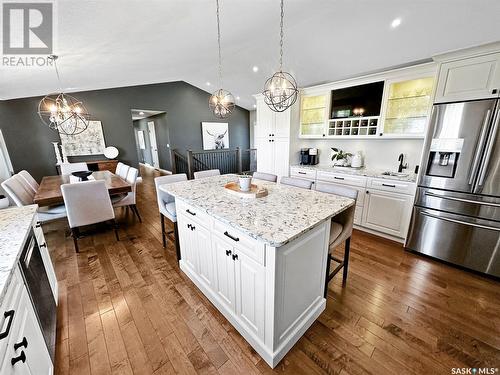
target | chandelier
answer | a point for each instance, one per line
(63, 112)
(280, 90)
(221, 102)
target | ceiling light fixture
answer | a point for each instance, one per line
(222, 101)
(63, 112)
(208, 83)
(395, 22)
(237, 98)
(255, 69)
(141, 113)
(280, 90)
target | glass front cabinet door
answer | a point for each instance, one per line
(407, 107)
(313, 115)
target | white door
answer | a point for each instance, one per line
(265, 155)
(224, 269)
(250, 293)
(281, 157)
(203, 248)
(186, 242)
(387, 212)
(154, 146)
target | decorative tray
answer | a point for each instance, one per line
(254, 192)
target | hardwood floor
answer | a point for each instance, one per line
(125, 308)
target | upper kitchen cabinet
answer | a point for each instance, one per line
(469, 78)
(407, 107)
(313, 115)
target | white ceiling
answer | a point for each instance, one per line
(112, 43)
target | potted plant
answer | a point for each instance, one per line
(4, 201)
(340, 157)
(245, 180)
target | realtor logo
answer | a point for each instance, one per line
(27, 28)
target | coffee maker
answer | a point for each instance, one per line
(309, 156)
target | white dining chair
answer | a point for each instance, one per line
(205, 174)
(68, 168)
(265, 176)
(124, 171)
(166, 206)
(21, 195)
(340, 231)
(29, 180)
(87, 203)
(297, 182)
(119, 166)
(129, 200)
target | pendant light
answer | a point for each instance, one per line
(221, 103)
(280, 90)
(63, 112)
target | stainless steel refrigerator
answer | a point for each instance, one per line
(456, 215)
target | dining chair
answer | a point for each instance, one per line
(124, 171)
(166, 206)
(68, 168)
(297, 182)
(119, 166)
(87, 203)
(21, 195)
(205, 174)
(340, 231)
(29, 180)
(129, 199)
(265, 176)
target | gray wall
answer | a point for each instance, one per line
(29, 141)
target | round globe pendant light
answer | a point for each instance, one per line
(221, 102)
(63, 112)
(280, 90)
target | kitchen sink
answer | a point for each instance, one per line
(395, 174)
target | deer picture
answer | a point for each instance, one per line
(218, 140)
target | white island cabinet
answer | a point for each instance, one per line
(261, 262)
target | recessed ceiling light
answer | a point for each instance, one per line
(395, 22)
(237, 98)
(141, 113)
(255, 105)
(208, 83)
(255, 69)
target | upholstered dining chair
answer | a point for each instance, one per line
(68, 168)
(129, 199)
(205, 174)
(123, 172)
(166, 206)
(265, 176)
(87, 203)
(30, 181)
(297, 182)
(340, 231)
(19, 192)
(119, 166)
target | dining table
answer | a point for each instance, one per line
(49, 192)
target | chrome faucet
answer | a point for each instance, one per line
(401, 165)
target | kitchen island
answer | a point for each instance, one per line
(261, 262)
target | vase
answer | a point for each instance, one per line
(244, 182)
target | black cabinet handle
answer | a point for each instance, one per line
(21, 344)
(272, 135)
(190, 212)
(43, 245)
(272, 140)
(231, 237)
(235, 256)
(228, 252)
(269, 134)
(389, 185)
(189, 226)
(193, 227)
(38, 225)
(494, 91)
(21, 358)
(301, 172)
(7, 315)
(338, 178)
(269, 140)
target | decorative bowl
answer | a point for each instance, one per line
(83, 175)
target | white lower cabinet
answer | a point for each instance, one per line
(224, 272)
(387, 212)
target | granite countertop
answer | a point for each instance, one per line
(367, 172)
(283, 215)
(14, 226)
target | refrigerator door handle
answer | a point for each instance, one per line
(430, 194)
(489, 149)
(482, 139)
(425, 213)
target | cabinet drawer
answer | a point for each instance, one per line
(392, 185)
(193, 213)
(306, 173)
(247, 245)
(340, 178)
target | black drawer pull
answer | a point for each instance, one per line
(338, 178)
(231, 237)
(38, 225)
(43, 245)
(8, 315)
(21, 358)
(190, 212)
(193, 227)
(189, 226)
(21, 344)
(389, 185)
(301, 172)
(235, 256)
(228, 252)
